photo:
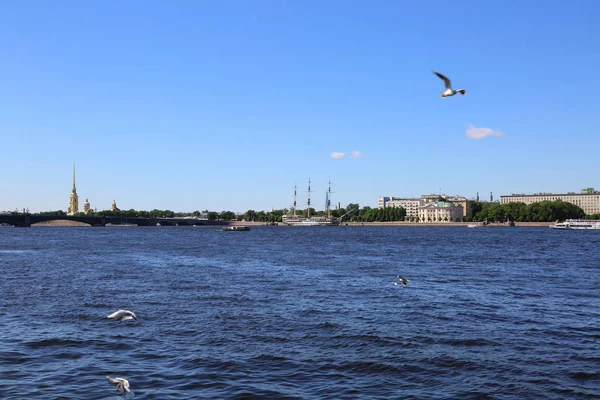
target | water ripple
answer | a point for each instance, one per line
(296, 314)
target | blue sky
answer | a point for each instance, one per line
(193, 105)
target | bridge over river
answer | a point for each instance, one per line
(26, 220)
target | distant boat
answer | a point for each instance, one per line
(476, 225)
(577, 224)
(312, 221)
(297, 220)
(236, 228)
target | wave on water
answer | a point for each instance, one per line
(296, 314)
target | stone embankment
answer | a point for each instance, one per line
(402, 223)
(396, 223)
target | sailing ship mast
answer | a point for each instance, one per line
(308, 202)
(293, 219)
(328, 200)
(294, 200)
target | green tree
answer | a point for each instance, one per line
(515, 211)
(476, 207)
(249, 215)
(58, 213)
(226, 215)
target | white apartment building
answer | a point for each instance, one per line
(410, 205)
(588, 201)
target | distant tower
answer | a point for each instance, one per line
(114, 206)
(73, 199)
(491, 197)
(477, 196)
(86, 206)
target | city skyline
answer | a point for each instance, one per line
(226, 107)
(73, 200)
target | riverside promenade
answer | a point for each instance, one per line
(403, 223)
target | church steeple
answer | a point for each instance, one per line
(73, 199)
(74, 176)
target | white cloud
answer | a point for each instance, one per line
(336, 155)
(480, 133)
(357, 154)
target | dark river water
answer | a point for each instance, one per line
(300, 313)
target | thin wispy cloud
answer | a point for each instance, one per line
(336, 155)
(357, 154)
(480, 133)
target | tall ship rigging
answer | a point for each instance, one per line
(299, 220)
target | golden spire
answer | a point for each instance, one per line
(73, 176)
(73, 199)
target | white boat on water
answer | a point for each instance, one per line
(476, 225)
(577, 224)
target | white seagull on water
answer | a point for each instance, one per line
(122, 315)
(122, 385)
(449, 91)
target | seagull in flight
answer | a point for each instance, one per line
(449, 91)
(122, 385)
(401, 280)
(122, 315)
